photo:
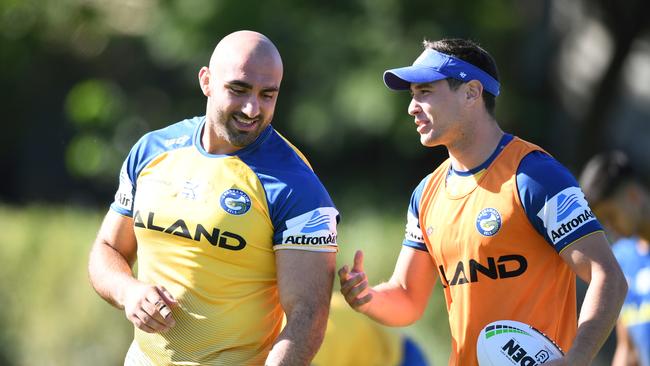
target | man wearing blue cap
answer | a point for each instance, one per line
(502, 223)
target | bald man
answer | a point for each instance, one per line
(229, 225)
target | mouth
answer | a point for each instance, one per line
(245, 124)
(422, 125)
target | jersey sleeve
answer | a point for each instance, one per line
(142, 153)
(413, 233)
(553, 201)
(123, 203)
(302, 212)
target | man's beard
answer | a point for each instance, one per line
(225, 129)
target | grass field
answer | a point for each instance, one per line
(51, 316)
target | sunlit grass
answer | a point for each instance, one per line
(51, 316)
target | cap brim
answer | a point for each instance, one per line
(401, 78)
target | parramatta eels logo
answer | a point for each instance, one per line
(488, 221)
(235, 202)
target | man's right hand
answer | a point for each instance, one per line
(148, 307)
(354, 284)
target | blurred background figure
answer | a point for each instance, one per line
(83, 80)
(621, 200)
(353, 339)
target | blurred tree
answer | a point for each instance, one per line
(84, 79)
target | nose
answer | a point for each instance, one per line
(414, 108)
(251, 108)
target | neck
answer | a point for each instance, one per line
(476, 146)
(213, 142)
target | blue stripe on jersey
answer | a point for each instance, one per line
(413, 236)
(291, 187)
(553, 201)
(145, 150)
(505, 139)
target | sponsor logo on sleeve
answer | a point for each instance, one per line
(565, 213)
(413, 232)
(124, 194)
(316, 227)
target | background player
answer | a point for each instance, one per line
(621, 200)
(352, 339)
(504, 225)
(229, 225)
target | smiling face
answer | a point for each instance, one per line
(437, 112)
(242, 85)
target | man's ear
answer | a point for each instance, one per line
(204, 80)
(473, 91)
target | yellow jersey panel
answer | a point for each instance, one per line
(207, 227)
(353, 339)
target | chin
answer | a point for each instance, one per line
(428, 142)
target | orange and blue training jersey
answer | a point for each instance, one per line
(207, 227)
(495, 234)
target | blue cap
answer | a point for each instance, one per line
(432, 66)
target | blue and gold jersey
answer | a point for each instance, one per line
(634, 259)
(207, 227)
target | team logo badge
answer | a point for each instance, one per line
(235, 202)
(488, 221)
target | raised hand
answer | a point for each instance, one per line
(354, 284)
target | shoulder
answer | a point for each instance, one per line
(280, 164)
(553, 200)
(422, 185)
(539, 175)
(292, 188)
(177, 135)
(154, 143)
(538, 167)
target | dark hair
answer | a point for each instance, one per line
(604, 174)
(471, 52)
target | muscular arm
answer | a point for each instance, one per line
(305, 286)
(592, 260)
(398, 302)
(111, 258)
(109, 268)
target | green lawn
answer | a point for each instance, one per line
(51, 316)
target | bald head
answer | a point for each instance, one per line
(243, 48)
(242, 85)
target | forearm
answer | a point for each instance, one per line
(302, 336)
(109, 273)
(598, 315)
(392, 305)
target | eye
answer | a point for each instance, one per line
(420, 93)
(268, 96)
(236, 90)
